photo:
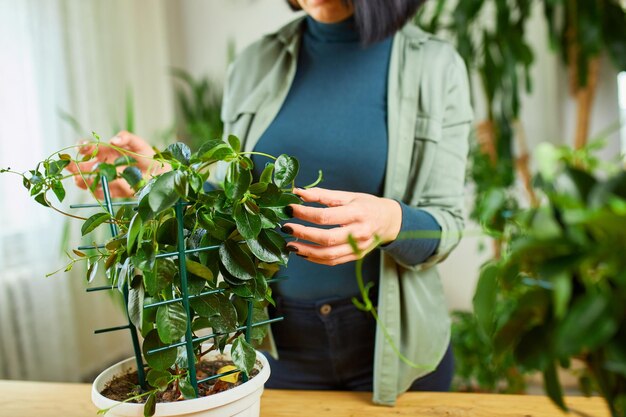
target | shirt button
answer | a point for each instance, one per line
(325, 309)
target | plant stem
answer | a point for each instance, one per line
(259, 153)
(61, 211)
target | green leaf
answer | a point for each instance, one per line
(243, 355)
(132, 175)
(25, 182)
(237, 182)
(248, 224)
(122, 277)
(226, 319)
(553, 386)
(108, 171)
(275, 198)
(161, 277)
(561, 293)
(286, 169)
(163, 194)
(167, 233)
(215, 150)
(134, 229)
(258, 333)
(59, 190)
(92, 270)
(258, 188)
(485, 298)
(588, 324)
(200, 323)
(115, 243)
(196, 181)
(148, 316)
(162, 360)
(199, 270)
(124, 160)
(186, 389)
(145, 258)
(180, 152)
(41, 199)
(181, 185)
(94, 221)
(235, 143)
(236, 261)
(206, 306)
(171, 321)
(158, 379)
(269, 247)
(136, 295)
(149, 408)
(266, 175)
(56, 167)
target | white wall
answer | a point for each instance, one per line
(204, 28)
(201, 29)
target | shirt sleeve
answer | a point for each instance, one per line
(418, 239)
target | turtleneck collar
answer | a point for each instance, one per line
(344, 31)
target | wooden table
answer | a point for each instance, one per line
(39, 399)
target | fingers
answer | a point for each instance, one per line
(330, 198)
(76, 168)
(82, 182)
(330, 255)
(326, 216)
(326, 237)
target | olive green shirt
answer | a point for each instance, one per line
(429, 118)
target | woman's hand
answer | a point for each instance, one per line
(369, 219)
(124, 140)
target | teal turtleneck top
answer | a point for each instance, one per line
(335, 119)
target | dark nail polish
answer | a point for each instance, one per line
(288, 210)
(292, 248)
(287, 229)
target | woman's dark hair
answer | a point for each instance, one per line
(377, 19)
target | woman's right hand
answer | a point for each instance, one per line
(124, 140)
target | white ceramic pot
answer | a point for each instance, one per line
(241, 401)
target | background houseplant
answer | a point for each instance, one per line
(492, 37)
(175, 208)
(563, 277)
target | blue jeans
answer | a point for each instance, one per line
(329, 345)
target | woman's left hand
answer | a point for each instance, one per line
(369, 219)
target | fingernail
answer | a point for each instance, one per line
(291, 248)
(288, 210)
(116, 140)
(287, 229)
(303, 256)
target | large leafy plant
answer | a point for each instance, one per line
(238, 220)
(562, 278)
(475, 367)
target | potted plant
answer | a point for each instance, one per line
(194, 265)
(562, 278)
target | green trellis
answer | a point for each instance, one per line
(188, 340)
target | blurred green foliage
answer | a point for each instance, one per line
(476, 368)
(199, 103)
(563, 277)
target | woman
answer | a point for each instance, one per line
(383, 109)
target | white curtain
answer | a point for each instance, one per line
(82, 57)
